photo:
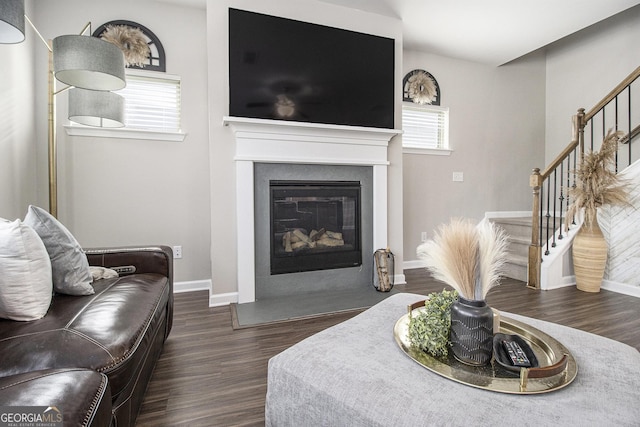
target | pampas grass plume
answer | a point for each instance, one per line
(422, 88)
(468, 258)
(492, 249)
(598, 183)
(131, 42)
(451, 255)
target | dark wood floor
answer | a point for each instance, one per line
(211, 375)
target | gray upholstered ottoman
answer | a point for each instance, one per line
(354, 374)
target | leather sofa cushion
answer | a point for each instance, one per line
(105, 332)
(82, 397)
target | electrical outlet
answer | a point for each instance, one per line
(177, 252)
(423, 236)
(458, 176)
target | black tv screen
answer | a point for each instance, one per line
(284, 69)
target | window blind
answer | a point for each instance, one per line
(152, 103)
(425, 127)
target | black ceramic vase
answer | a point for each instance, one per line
(471, 331)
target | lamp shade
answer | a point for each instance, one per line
(88, 62)
(96, 108)
(11, 21)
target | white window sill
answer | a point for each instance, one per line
(427, 151)
(124, 133)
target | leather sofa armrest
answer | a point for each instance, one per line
(81, 396)
(143, 259)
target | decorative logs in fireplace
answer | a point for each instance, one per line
(298, 239)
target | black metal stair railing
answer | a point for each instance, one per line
(619, 110)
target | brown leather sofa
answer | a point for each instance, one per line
(91, 357)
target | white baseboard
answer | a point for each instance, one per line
(216, 300)
(562, 283)
(609, 285)
(621, 288)
(205, 285)
(191, 286)
(409, 265)
(507, 214)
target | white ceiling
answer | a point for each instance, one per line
(489, 31)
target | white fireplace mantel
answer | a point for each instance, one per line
(276, 141)
(281, 141)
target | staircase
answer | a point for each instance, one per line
(518, 229)
(549, 262)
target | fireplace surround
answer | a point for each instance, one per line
(304, 147)
(356, 269)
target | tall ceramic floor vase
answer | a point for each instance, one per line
(471, 333)
(589, 258)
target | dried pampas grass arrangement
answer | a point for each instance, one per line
(468, 258)
(452, 254)
(597, 182)
(422, 89)
(492, 252)
(131, 41)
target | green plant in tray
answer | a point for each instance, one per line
(429, 329)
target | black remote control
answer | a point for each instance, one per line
(516, 354)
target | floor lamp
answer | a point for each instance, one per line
(90, 67)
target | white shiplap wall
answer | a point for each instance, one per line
(621, 227)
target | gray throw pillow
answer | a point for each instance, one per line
(25, 273)
(69, 265)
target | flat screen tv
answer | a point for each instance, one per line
(284, 69)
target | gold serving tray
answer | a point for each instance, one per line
(557, 367)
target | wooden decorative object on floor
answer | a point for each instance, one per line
(589, 257)
(385, 270)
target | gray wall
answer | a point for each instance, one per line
(124, 191)
(17, 133)
(496, 131)
(583, 68)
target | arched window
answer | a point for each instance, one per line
(425, 124)
(408, 80)
(152, 97)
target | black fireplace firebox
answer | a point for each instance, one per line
(315, 225)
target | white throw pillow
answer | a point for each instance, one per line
(25, 273)
(69, 264)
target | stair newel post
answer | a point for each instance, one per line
(577, 139)
(578, 130)
(533, 273)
